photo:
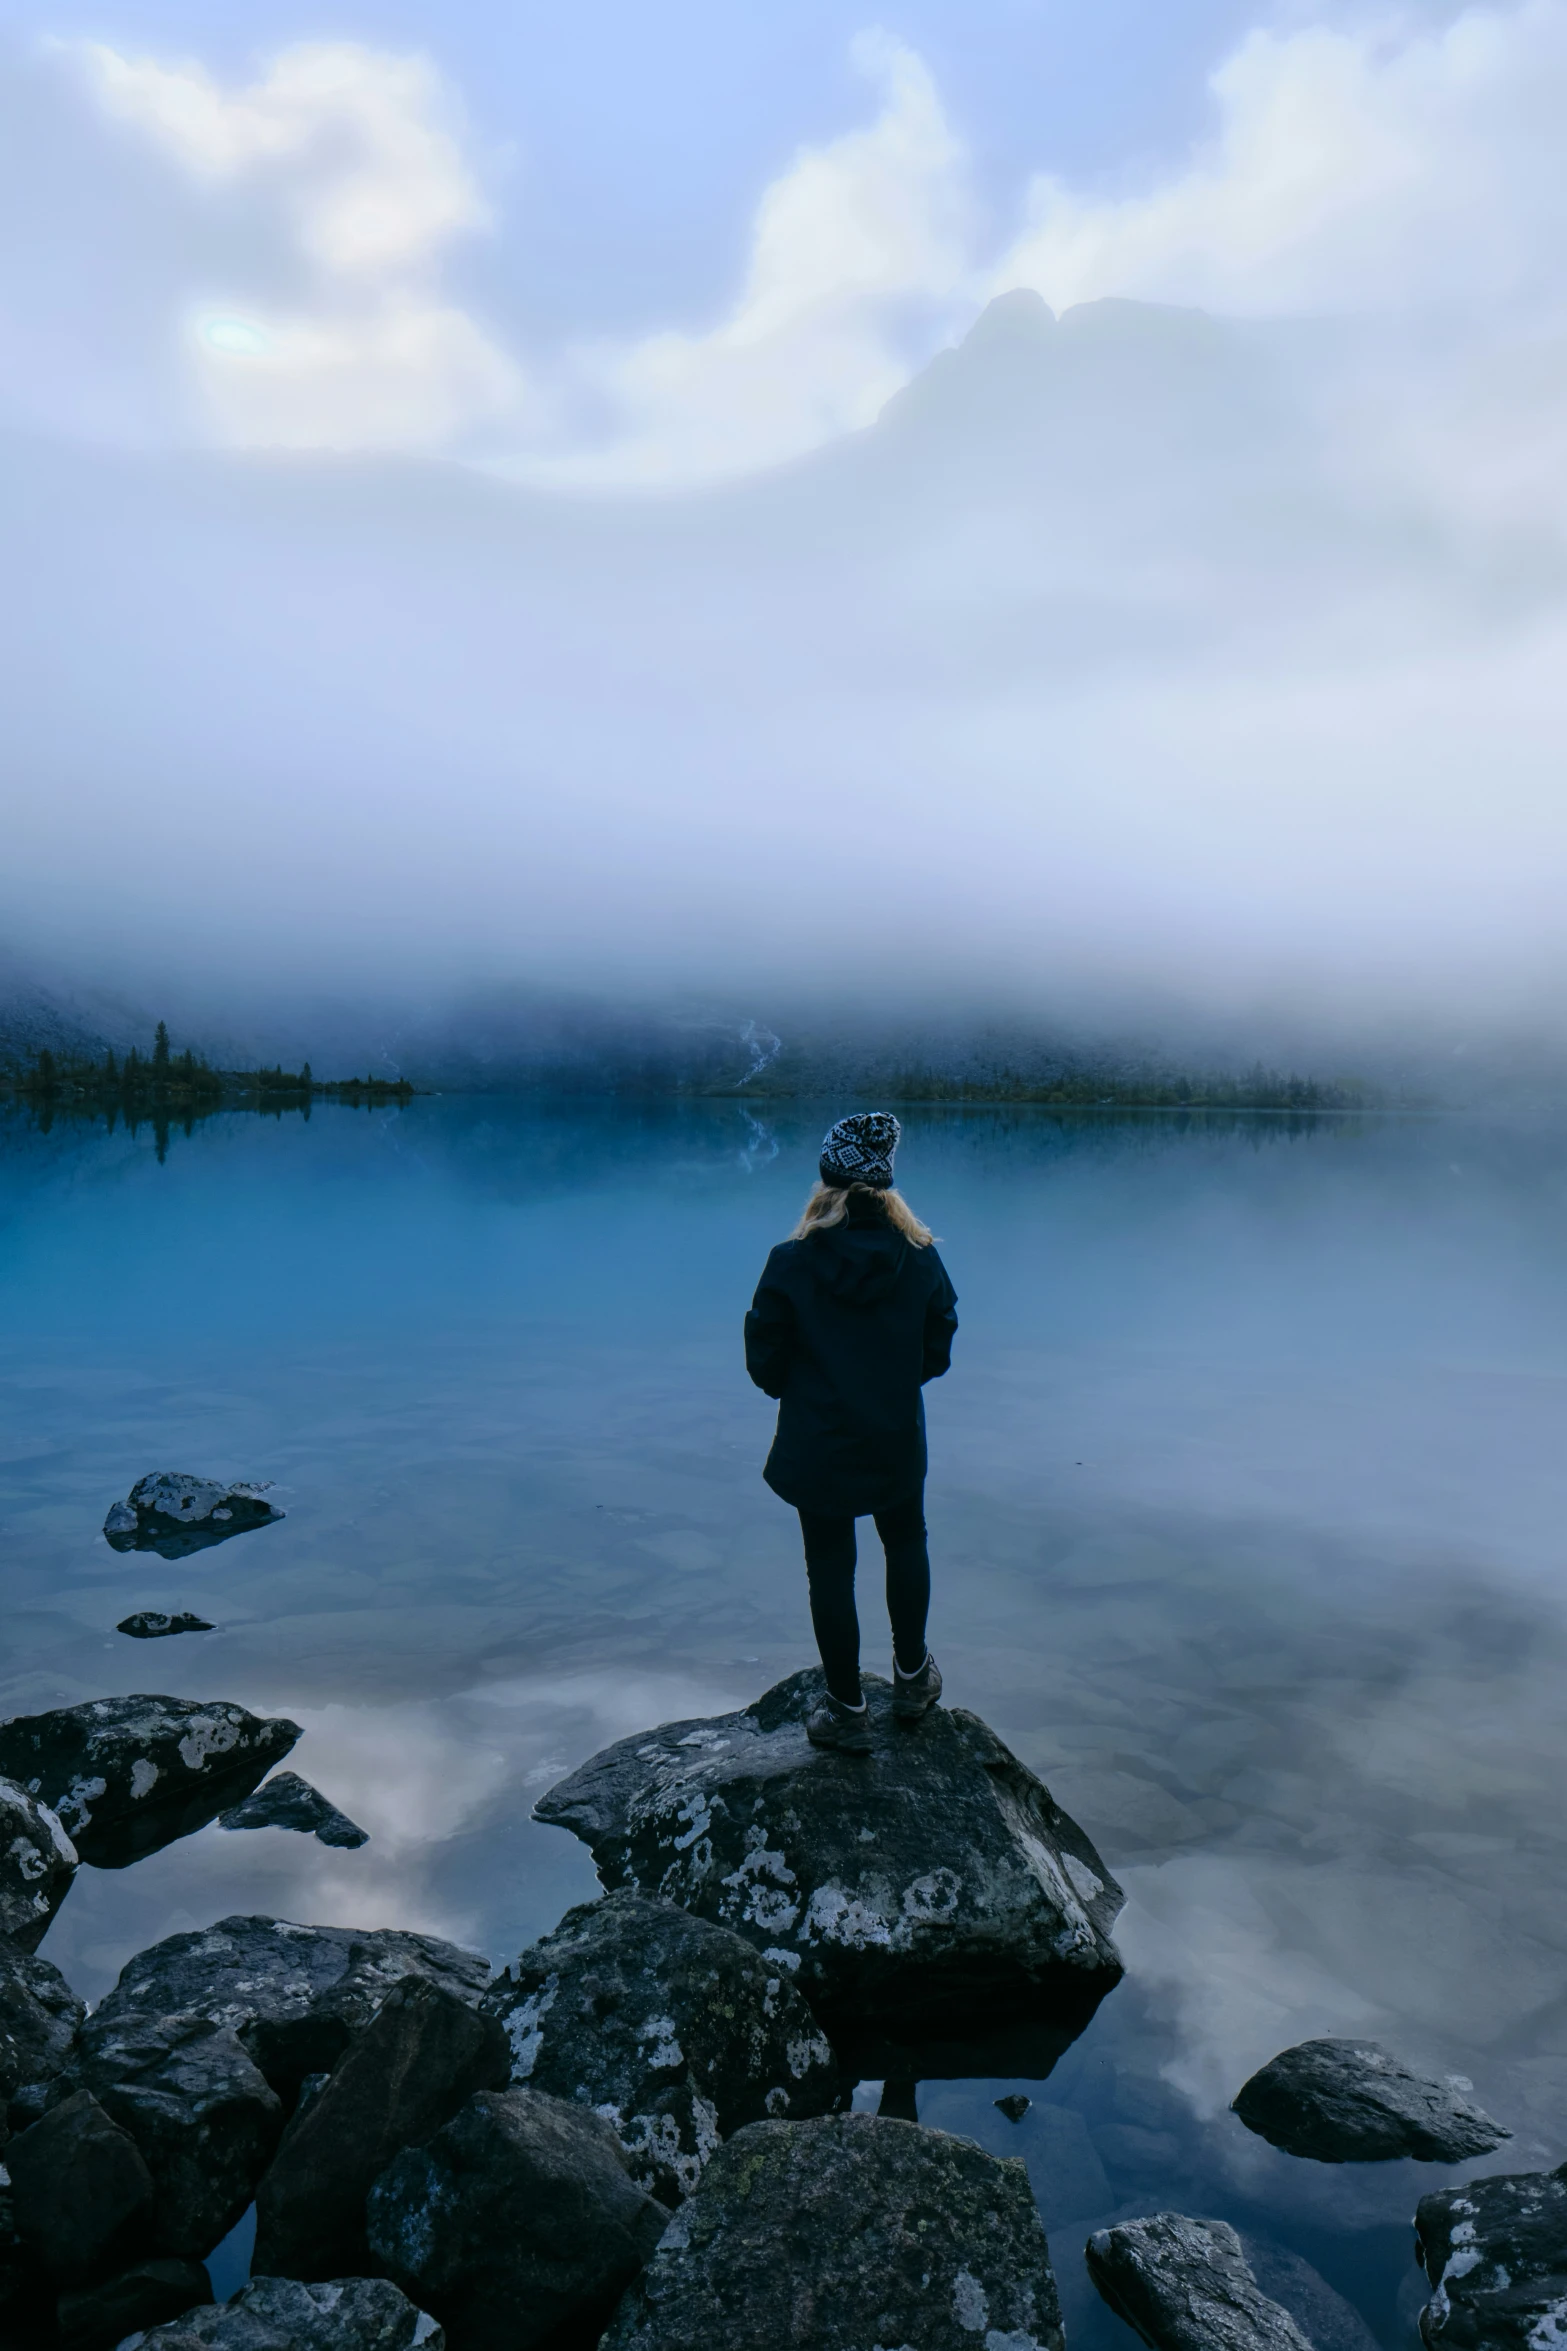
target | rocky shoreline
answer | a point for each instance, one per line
(638, 2132)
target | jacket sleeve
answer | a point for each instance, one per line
(769, 1334)
(941, 1323)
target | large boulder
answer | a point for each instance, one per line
(849, 2229)
(37, 1865)
(82, 2197)
(285, 1801)
(156, 1624)
(94, 2318)
(676, 2030)
(202, 2113)
(421, 2057)
(931, 1880)
(1186, 2285)
(40, 2017)
(174, 1514)
(295, 1995)
(1495, 2253)
(129, 1775)
(517, 2224)
(279, 2314)
(1350, 2102)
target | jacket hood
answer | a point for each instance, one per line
(857, 1262)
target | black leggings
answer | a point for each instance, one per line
(829, 1563)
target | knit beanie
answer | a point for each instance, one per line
(859, 1149)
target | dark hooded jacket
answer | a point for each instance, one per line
(845, 1328)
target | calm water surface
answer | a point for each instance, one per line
(1248, 1506)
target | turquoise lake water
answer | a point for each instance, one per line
(1248, 1506)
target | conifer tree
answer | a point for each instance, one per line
(160, 1054)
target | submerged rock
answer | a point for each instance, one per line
(1350, 2102)
(127, 1776)
(174, 1514)
(1014, 2105)
(1495, 2253)
(40, 2017)
(295, 1995)
(37, 1865)
(82, 2197)
(151, 1624)
(674, 2029)
(518, 2224)
(929, 1881)
(279, 2314)
(849, 2229)
(421, 2057)
(1327, 2321)
(1186, 2285)
(92, 2318)
(287, 1802)
(200, 2110)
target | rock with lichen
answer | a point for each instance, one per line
(37, 1864)
(677, 2031)
(931, 1881)
(127, 1776)
(849, 2229)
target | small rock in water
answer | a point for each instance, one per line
(518, 2225)
(127, 1776)
(1351, 2102)
(151, 1624)
(279, 2314)
(1495, 2253)
(40, 2017)
(37, 1864)
(201, 2112)
(1014, 2105)
(174, 1514)
(287, 1802)
(677, 2030)
(1186, 2285)
(849, 2229)
(296, 1995)
(924, 1884)
(82, 2197)
(422, 2056)
(91, 2318)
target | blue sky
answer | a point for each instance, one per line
(630, 143)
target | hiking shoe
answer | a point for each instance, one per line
(913, 1694)
(832, 1724)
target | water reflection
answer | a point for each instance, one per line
(1246, 1503)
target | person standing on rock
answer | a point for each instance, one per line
(852, 1315)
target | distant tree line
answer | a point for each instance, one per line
(1145, 1089)
(183, 1084)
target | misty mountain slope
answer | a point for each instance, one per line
(1094, 659)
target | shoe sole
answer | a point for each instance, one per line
(904, 1712)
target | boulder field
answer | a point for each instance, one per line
(637, 2126)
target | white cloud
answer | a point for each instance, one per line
(853, 242)
(1384, 166)
(374, 165)
(362, 153)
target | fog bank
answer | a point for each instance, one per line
(1135, 667)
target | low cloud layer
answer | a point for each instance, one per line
(1148, 654)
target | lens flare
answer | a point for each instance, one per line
(236, 338)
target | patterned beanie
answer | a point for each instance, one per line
(859, 1149)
